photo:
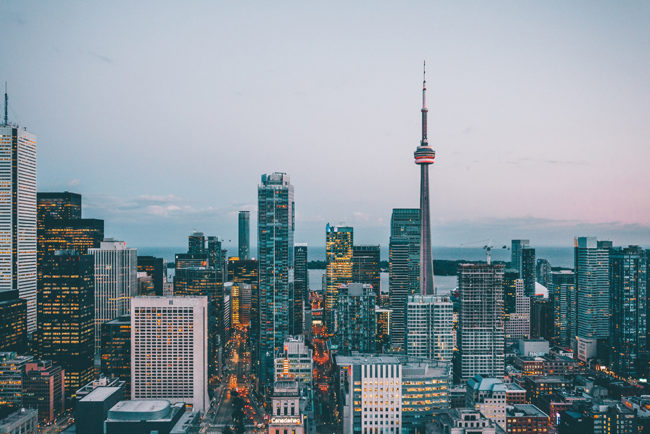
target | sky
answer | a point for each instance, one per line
(163, 115)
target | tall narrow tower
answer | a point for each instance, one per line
(424, 156)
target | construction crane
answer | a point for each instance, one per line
(488, 246)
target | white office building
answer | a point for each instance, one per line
(295, 362)
(169, 350)
(116, 270)
(18, 216)
(373, 402)
(429, 327)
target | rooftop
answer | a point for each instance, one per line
(100, 394)
(524, 410)
(140, 409)
(366, 359)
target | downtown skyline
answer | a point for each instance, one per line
(531, 126)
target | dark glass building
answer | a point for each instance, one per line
(338, 268)
(355, 310)
(244, 238)
(404, 266)
(300, 283)
(196, 244)
(156, 269)
(246, 271)
(116, 351)
(13, 322)
(562, 295)
(275, 231)
(79, 235)
(44, 389)
(66, 315)
(365, 266)
(628, 298)
(528, 271)
(57, 206)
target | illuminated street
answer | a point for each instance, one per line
(237, 381)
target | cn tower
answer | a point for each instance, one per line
(424, 156)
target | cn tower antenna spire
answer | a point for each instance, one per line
(6, 105)
(424, 104)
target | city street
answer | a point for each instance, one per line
(237, 382)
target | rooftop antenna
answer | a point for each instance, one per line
(6, 104)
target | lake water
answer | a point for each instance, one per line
(557, 256)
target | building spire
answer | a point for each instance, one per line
(424, 104)
(6, 105)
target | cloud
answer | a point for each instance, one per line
(530, 160)
(73, 182)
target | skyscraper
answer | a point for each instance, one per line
(244, 238)
(275, 229)
(592, 286)
(543, 272)
(562, 294)
(66, 300)
(116, 269)
(338, 268)
(517, 247)
(300, 284)
(516, 307)
(424, 156)
(429, 327)
(404, 266)
(13, 322)
(355, 310)
(481, 327)
(528, 271)
(628, 298)
(168, 354)
(58, 206)
(196, 244)
(365, 267)
(18, 215)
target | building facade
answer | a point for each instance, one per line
(339, 242)
(628, 304)
(275, 232)
(562, 293)
(116, 269)
(18, 244)
(244, 238)
(169, 350)
(365, 267)
(592, 288)
(66, 309)
(404, 266)
(430, 327)
(355, 315)
(481, 326)
(116, 351)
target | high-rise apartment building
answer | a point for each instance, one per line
(245, 271)
(516, 247)
(528, 270)
(562, 294)
(18, 216)
(116, 269)
(244, 238)
(429, 327)
(296, 362)
(116, 351)
(592, 287)
(628, 298)
(168, 350)
(384, 321)
(355, 315)
(66, 311)
(275, 232)
(516, 307)
(480, 327)
(300, 285)
(338, 268)
(404, 266)
(543, 271)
